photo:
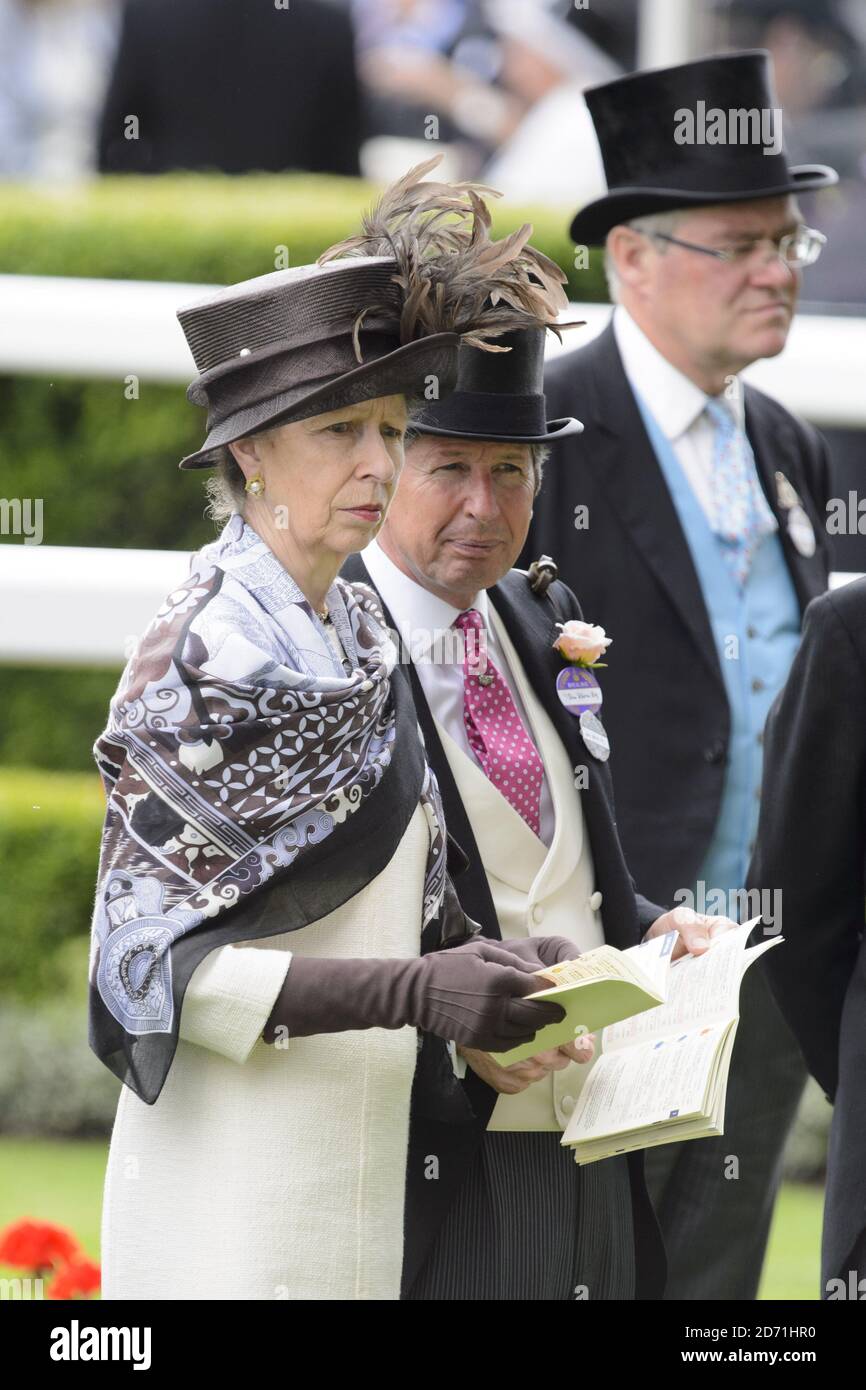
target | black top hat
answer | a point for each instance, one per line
(654, 162)
(499, 396)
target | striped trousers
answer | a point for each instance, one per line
(528, 1223)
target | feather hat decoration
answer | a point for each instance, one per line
(382, 313)
(453, 276)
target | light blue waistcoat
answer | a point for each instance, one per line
(756, 633)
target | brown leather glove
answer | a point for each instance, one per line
(541, 951)
(473, 994)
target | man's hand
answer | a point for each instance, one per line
(510, 1081)
(696, 930)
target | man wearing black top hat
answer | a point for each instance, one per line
(527, 795)
(689, 517)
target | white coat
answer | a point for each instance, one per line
(271, 1172)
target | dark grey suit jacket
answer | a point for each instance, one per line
(812, 848)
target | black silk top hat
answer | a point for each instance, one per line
(379, 314)
(684, 136)
(499, 396)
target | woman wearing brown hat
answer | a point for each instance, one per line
(274, 845)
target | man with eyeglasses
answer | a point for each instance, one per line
(689, 517)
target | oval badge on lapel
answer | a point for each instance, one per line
(799, 526)
(594, 736)
(578, 690)
(801, 531)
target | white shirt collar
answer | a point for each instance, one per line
(418, 614)
(675, 401)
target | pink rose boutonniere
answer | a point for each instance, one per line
(581, 644)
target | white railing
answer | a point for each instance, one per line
(116, 328)
(65, 605)
(69, 606)
(75, 606)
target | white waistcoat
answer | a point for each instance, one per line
(536, 891)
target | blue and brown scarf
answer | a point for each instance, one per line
(253, 787)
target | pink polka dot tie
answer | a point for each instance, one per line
(496, 733)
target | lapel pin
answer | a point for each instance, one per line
(800, 528)
(541, 574)
(801, 531)
(786, 494)
(595, 736)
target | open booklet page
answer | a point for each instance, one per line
(662, 1075)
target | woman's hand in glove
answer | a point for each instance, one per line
(541, 951)
(476, 992)
(473, 994)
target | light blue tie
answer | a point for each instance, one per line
(740, 514)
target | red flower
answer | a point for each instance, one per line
(80, 1276)
(36, 1245)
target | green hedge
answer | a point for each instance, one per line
(216, 229)
(50, 827)
(52, 716)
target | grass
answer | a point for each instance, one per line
(792, 1269)
(54, 1180)
(61, 1181)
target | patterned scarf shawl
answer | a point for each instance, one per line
(252, 787)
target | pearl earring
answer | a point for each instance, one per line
(255, 485)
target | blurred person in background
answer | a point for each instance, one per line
(477, 66)
(556, 131)
(232, 85)
(818, 51)
(423, 59)
(689, 517)
(55, 57)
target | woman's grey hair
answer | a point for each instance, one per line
(666, 222)
(225, 488)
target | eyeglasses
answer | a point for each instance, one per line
(797, 248)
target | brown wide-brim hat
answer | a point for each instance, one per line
(381, 313)
(637, 118)
(286, 346)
